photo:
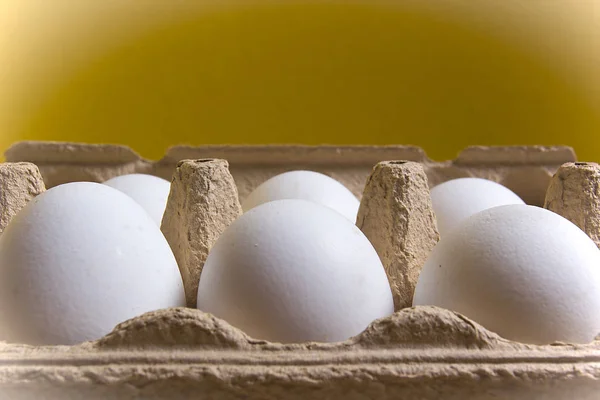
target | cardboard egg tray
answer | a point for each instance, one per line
(417, 353)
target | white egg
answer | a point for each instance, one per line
(79, 259)
(521, 271)
(305, 185)
(295, 271)
(457, 199)
(151, 192)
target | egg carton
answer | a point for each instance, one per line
(416, 353)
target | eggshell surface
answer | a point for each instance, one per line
(151, 192)
(295, 271)
(457, 199)
(305, 185)
(79, 259)
(521, 271)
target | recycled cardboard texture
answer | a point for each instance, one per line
(417, 353)
(574, 193)
(525, 170)
(19, 183)
(397, 217)
(202, 203)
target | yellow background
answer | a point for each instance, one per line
(442, 74)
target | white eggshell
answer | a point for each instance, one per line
(521, 271)
(151, 192)
(295, 271)
(457, 199)
(79, 259)
(305, 185)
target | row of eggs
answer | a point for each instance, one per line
(83, 257)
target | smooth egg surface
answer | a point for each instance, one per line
(521, 271)
(151, 192)
(455, 200)
(295, 271)
(305, 185)
(78, 260)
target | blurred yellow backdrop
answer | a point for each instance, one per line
(441, 74)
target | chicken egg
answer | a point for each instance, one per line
(295, 271)
(151, 192)
(79, 259)
(457, 199)
(305, 185)
(521, 271)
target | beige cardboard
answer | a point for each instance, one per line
(202, 203)
(19, 183)
(574, 193)
(417, 353)
(397, 217)
(525, 170)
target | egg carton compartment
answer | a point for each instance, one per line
(416, 353)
